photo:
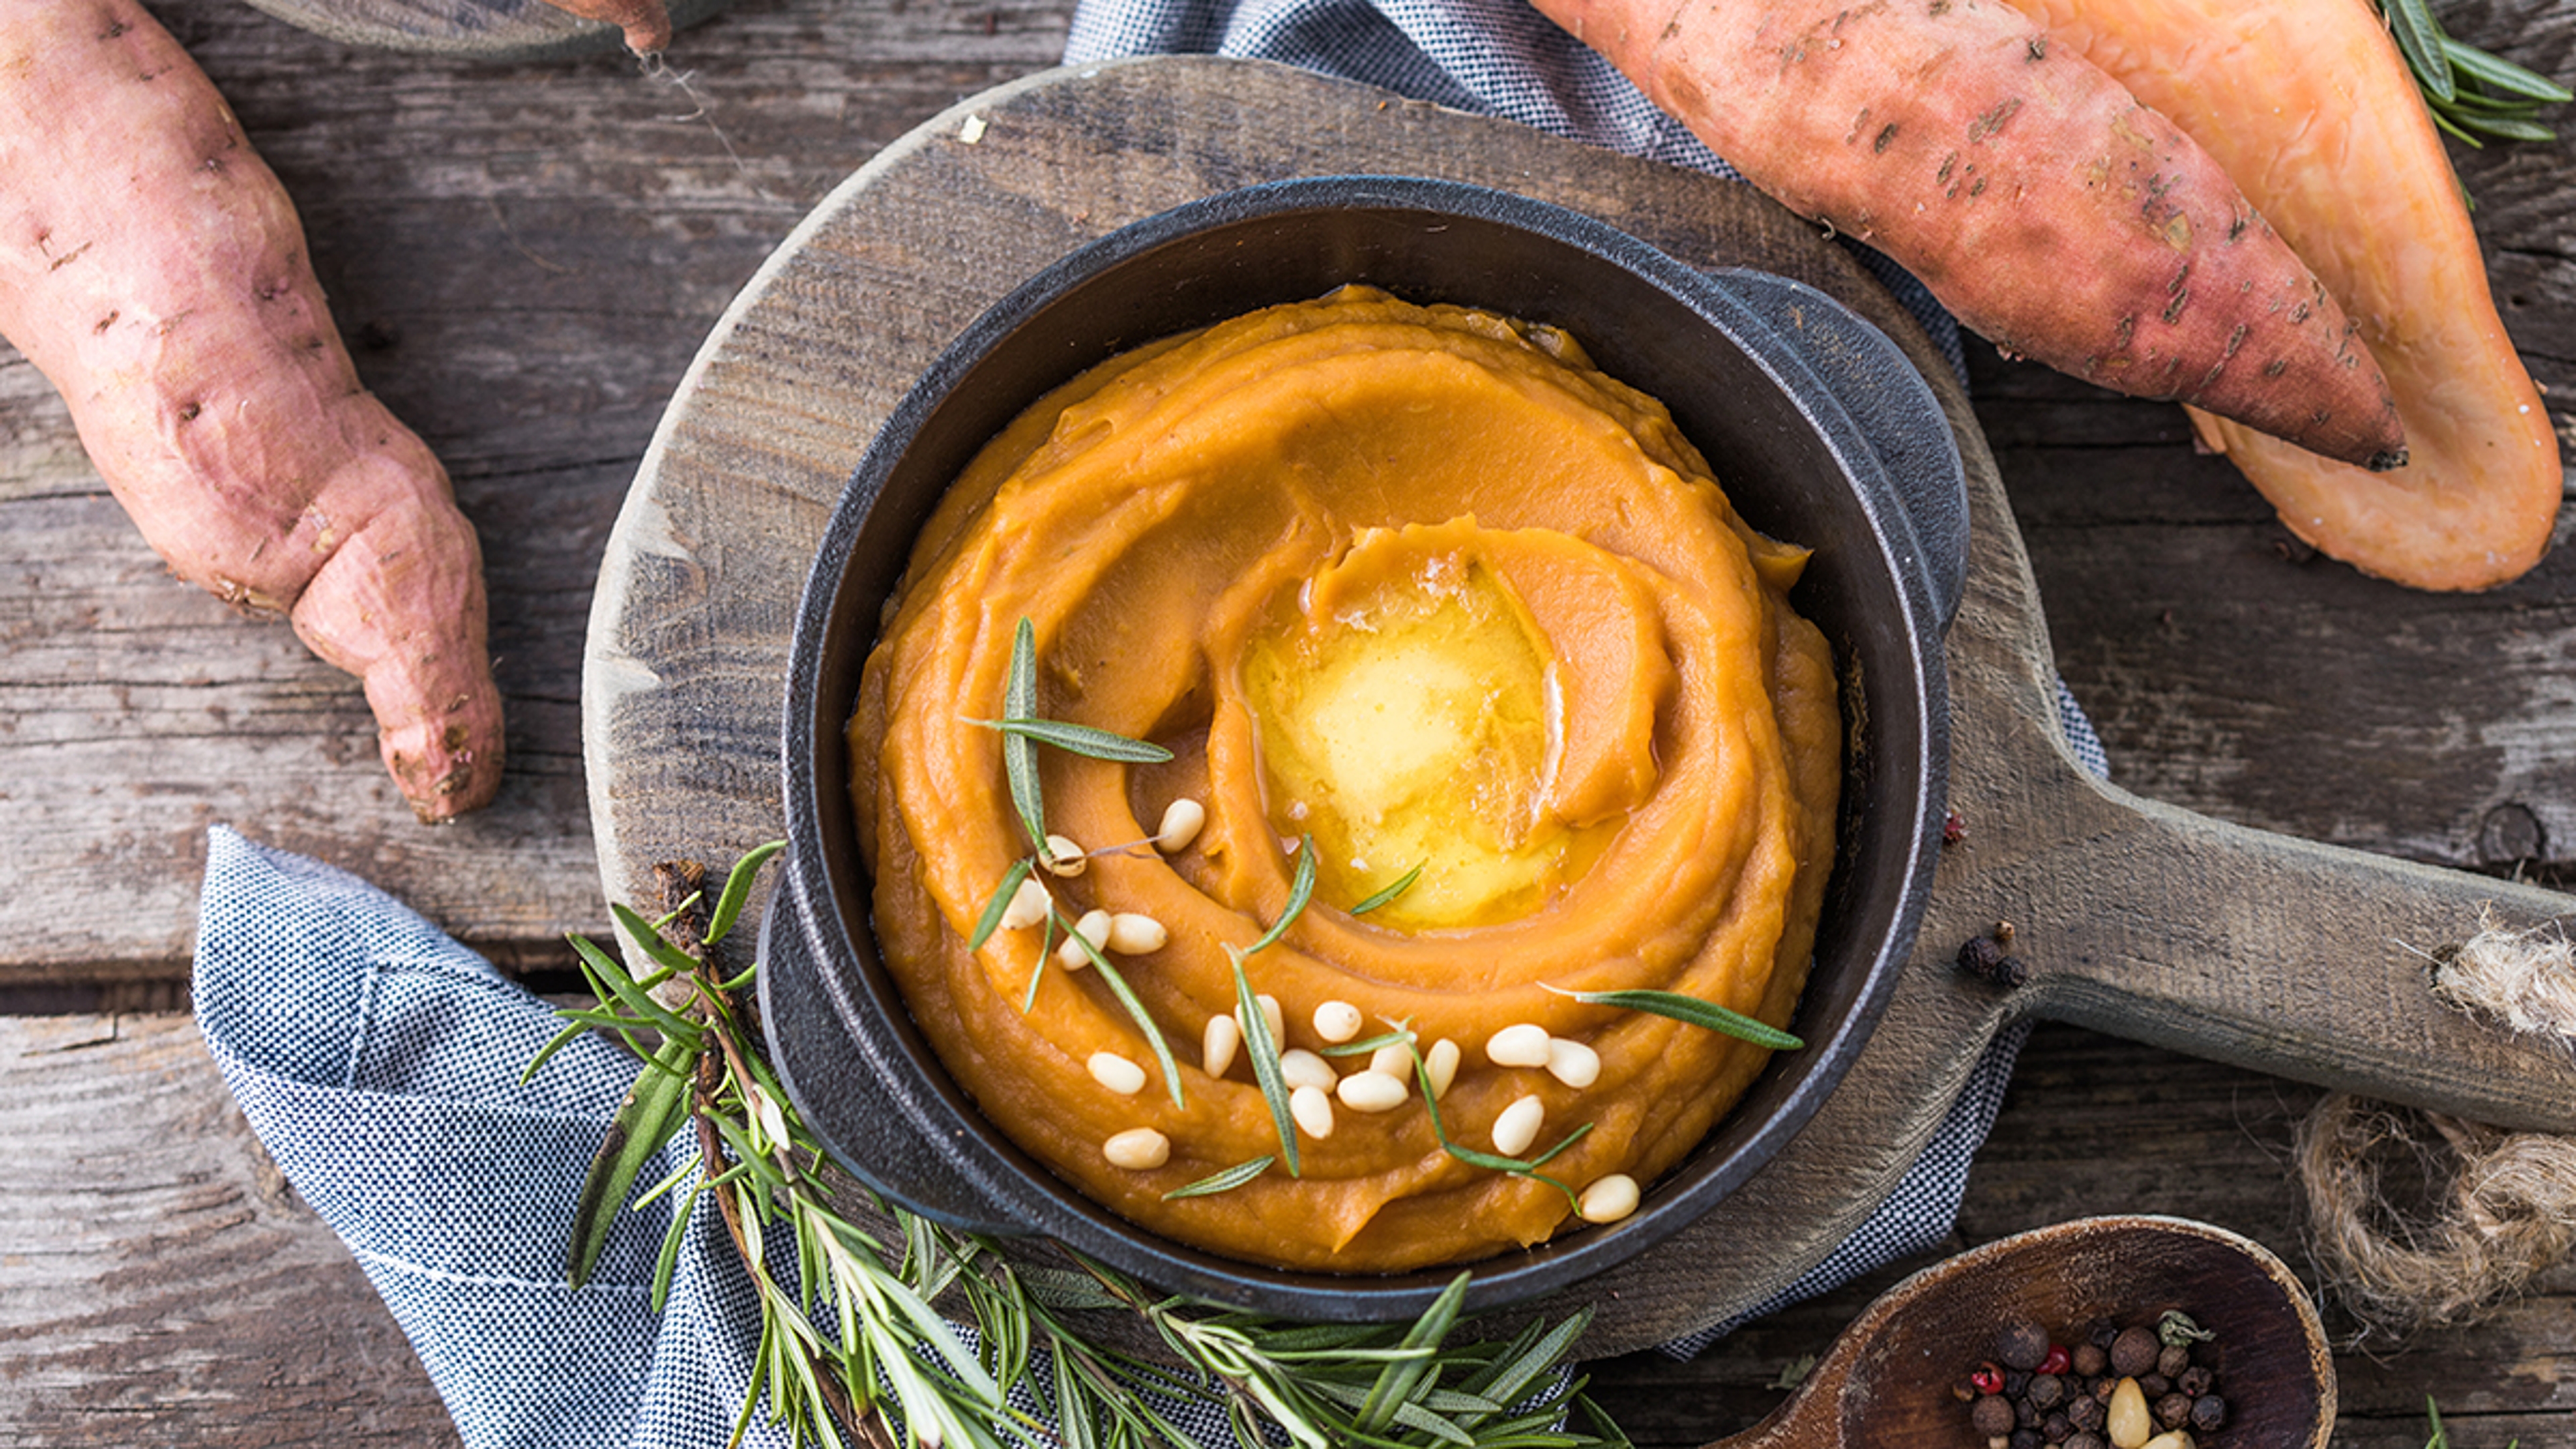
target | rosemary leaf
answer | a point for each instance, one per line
(1401, 1036)
(1264, 1051)
(1080, 739)
(1019, 752)
(737, 891)
(1492, 1162)
(1691, 1011)
(606, 972)
(2504, 75)
(652, 1110)
(653, 943)
(2419, 37)
(1402, 884)
(1301, 889)
(991, 920)
(1226, 1181)
(1126, 995)
(1396, 1383)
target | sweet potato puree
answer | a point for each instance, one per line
(1422, 587)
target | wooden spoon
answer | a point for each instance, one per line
(1887, 1379)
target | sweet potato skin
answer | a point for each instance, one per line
(152, 267)
(2311, 108)
(647, 23)
(2033, 194)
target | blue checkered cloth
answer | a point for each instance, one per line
(379, 1061)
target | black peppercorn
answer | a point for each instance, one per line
(2024, 1439)
(2154, 1386)
(2024, 1414)
(2016, 1382)
(2055, 1428)
(2100, 1332)
(2086, 1413)
(2195, 1380)
(2020, 1344)
(2046, 1390)
(2172, 1410)
(2208, 1413)
(2175, 1358)
(2085, 1439)
(1992, 1416)
(1980, 957)
(2134, 1352)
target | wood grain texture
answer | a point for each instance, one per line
(162, 1285)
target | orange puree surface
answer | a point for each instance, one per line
(1421, 586)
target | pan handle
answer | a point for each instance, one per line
(2293, 957)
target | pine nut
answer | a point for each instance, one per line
(1029, 905)
(1181, 821)
(1217, 1044)
(1440, 1064)
(1517, 1128)
(1117, 1073)
(1524, 1045)
(1608, 1199)
(1395, 1059)
(2170, 1439)
(2127, 1423)
(1271, 1016)
(1093, 927)
(1062, 857)
(1133, 934)
(1138, 1149)
(1299, 1067)
(1337, 1021)
(1313, 1111)
(1371, 1091)
(1572, 1063)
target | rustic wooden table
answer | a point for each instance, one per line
(526, 257)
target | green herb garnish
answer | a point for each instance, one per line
(1301, 889)
(1402, 884)
(1692, 1010)
(1263, 1049)
(1226, 1181)
(2471, 93)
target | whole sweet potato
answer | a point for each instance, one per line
(2033, 194)
(2312, 109)
(153, 269)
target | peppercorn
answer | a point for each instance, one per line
(2100, 1332)
(2024, 1439)
(2208, 1413)
(2020, 1344)
(1980, 957)
(2085, 1413)
(1988, 1379)
(2057, 1361)
(2055, 1428)
(2016, 1382)
(2173, 1360)
(2089, 1360)
(2046, 1390)
(2154, 1386)
(2172, 1410)
(1993, 1416)
(2134, 1352)
(2195, 1380)
(1965, 1391)
(2085, 1439)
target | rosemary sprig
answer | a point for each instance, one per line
(853, 1347)
(1692, 1010)
(1400, 885)
(1226, 1181)
(2471, 93)
(1491, 1161)
(1263, 1049)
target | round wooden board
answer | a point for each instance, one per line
(494, 30)
(689, 638)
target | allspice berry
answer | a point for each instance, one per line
(1992, 1416)
(2135, 1352)
(2021, 1344)
(2090, 1359)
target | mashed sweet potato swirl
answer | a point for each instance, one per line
(1176, 523)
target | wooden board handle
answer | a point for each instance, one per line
(2305, 960)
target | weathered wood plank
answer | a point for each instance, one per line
(161, 1283)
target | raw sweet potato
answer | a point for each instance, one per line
(646, 23)
(153, 269)
(2312, 109)
(2034, 195)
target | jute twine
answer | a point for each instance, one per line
(2495, 1208)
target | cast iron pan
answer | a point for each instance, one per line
(1812, 420)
